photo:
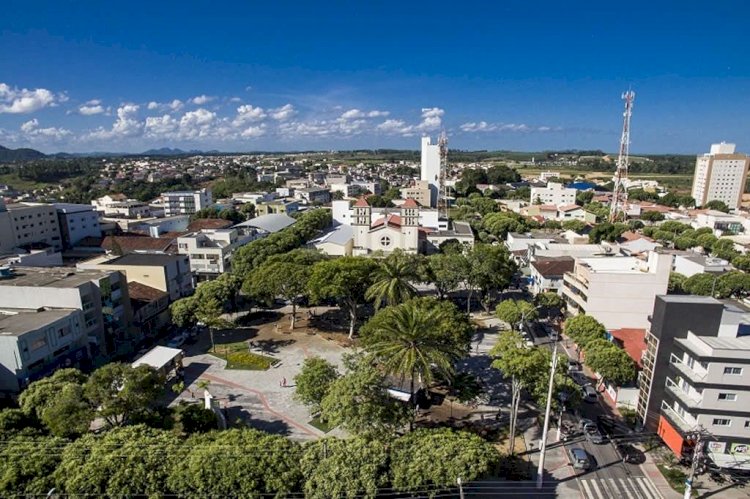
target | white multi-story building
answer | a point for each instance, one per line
(617, 291)
(23, 224)
(77, 221)
(431, 168)
(554, 194)
(208, 250)
(119, 206)
(696, 373)
(720, 175)
(186, 202)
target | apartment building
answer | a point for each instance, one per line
(186, 202)
(119, 206)
(419, 192)
(313, 195)
(618, 291)
(101, 296)
(553, 194)
(25, 224)
(546, 274)
(36, 342)
(430, 169)
(720, 175)
(168, 273)
(696, 376)
(77, 221)
(285, 206)
(209, 251)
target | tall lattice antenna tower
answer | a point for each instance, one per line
(620, 193)
(443, 193)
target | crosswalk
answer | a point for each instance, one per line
(606, 488)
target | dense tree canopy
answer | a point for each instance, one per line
(313, 381)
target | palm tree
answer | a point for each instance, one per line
(392, 281)
(407, 345)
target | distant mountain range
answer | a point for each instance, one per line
(24, 154)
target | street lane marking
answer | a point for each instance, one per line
(649, 485)
(595, 485)
(587, 492)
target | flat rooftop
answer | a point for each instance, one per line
(144, 259)
(615, 265)
(15, 322)
(51, 277)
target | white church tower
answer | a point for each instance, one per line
(361, 218)
(410, 226)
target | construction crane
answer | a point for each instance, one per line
(443, 193)
(618, 206)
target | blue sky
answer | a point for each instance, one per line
(284, 75)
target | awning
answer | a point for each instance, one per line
(731, 461)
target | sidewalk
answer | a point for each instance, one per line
(651, 471)
(556, 464)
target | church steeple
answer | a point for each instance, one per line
(361, 212)
(410, 213)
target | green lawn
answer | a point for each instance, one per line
(238, 356)
(317, 423)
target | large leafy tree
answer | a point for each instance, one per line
(513, 312)
(359, 402)
(433, 459)
(237, 463)
(583, 329)
(345, 280)
(490, 271)
(350, 468)
(611, 362)
(119, 391)
(405, 340)
(522, 365)
(58, 402)
(447, 271)
(27, 464)
(392, 281)
(134, 460)
(313, 381)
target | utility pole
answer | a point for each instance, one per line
(697, 457)
(543, 448)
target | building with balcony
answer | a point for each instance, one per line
(618, 291)
(720, 175)
(101, 295)
(209, 251)
(553, 194)
(696, 375)
(186, 202)
(36, 342)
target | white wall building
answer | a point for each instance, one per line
(186, 202)
(720, 175)
(619, 291)
(77, 221)
(555, 193)
(23, 224)
(431, 168)
(208, 250)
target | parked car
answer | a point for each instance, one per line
(178, 340)
(579, 378)
(593, 434)
(589, 394)
(630, 454)
(579, 458)
(574, 366)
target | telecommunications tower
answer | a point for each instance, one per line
(619, 202)
(443, 188)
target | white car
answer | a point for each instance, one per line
(177, 341)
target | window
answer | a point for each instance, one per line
(732, 370)
(722, 422)
(385, 241)
(728, 396)
(38, 344)
(747, 424)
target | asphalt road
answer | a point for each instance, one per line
(609, 477)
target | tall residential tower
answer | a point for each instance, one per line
(431, 168)
(720, 175)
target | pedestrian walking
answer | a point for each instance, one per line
(283, 382)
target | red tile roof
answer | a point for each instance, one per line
(361, 203)
(132, 244)
(633, 341)
(410, 203)
(209, 223)
(570, 207)
(554, 267)
(391, 219)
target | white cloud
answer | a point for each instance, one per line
(249, 114)
(378, 114)
(201, 99)
(32, 132)
(153, 105)
(127, 124)
(356, 114)
(432, 119)
(160, 126)
(235, 99)
(254, 131)
(92, 107)
(282, 113)
(484, 127)
(21, 101)
(196, 124)
(175, 105)
(392, 126)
